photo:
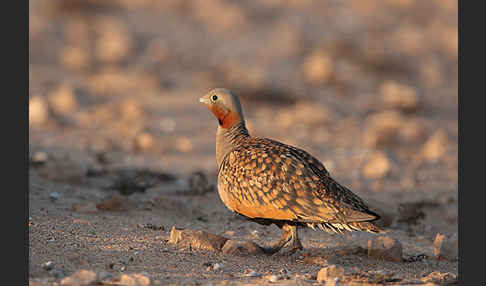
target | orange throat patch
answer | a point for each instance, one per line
(226, 118)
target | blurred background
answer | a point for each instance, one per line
(368, 86)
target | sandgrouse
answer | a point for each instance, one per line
(268, 182)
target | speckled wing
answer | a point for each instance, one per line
(263, 178)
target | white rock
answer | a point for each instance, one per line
(54, 196)
(253, 273)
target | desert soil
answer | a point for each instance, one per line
(121, 150)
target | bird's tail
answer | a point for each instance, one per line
(343, 227)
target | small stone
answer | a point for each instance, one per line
(378, 166)
(435, 147)
(385, 248)
(218, 266)
(199, 239)
(80, 278)
(252, 273)
(273, 278)
(130, 110)
(184, 144)
(139, 280)
(62, 99)
(39, 158)
(330, 272)
(114, 42)
(144, 142)
(334, 281)
(38, 111)
(168, 125)
(74, 57)
(442, 278)
(54, 196)
(229, 233)
(255, 233)
(411, 131)
(382, 128)
(318, 67)
(49, 265)
(446, 247)
(399, 96)
(52, 269)
(234, 247)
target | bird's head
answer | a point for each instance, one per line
(224, 105)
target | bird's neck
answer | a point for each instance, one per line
(229, 138)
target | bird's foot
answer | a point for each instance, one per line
(293, 248)
(270, 250)
(289, 250)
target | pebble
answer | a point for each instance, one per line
(318, 67)
(196, 239)
(54, 196)
(218, 266)
(39, 158)
(184, 144)
(332, 281)
(168, 125)
(446, 247)
(75, 58)
(252, 273)
(38, 111)
(255, 233)
(114, 42)
(144, 142)
(383, 247)
(134, 279)
(399, 96)
(62, 99)
(330, 272)
(442, 278)
(377, 166)
(49, 265)
(79, 278)
(381, 128)
(435, 147)
(130, 110)
(411, 131)
(273, 278)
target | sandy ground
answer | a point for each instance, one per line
(117, 136)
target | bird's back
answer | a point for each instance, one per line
(264, 179)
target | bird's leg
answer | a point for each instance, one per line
(289, 234)
(286, 237)
(295, 243)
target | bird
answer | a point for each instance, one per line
(269, 182)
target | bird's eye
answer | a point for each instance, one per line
(214, 98)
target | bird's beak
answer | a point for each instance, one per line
(203, 100)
